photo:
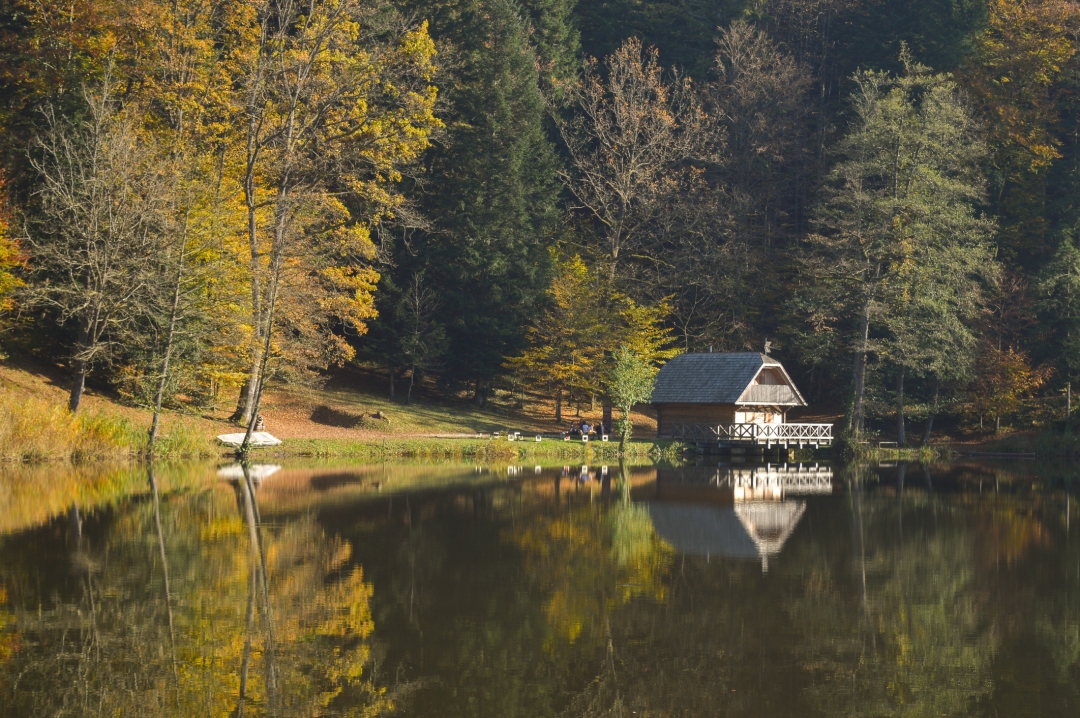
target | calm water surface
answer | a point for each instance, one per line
(450, 590)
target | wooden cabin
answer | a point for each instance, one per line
(735, 399)
(711, 389)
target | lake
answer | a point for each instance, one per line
(444, 589)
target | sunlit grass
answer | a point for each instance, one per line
(33, 429)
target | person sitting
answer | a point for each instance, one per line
(585, 428)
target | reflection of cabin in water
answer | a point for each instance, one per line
(735, 399)
(748, 530)
(740, 512)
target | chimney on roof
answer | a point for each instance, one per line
(710, 348)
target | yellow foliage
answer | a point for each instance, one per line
(572, 342)
(11, 258)
(1019, 58)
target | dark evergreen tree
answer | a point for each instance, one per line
(555, 37)
(491, 191)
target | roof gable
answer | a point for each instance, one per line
(720, 379)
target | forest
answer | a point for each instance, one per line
(200, 196)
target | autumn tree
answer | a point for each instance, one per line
(12, 258)
(1004, 380)
(336, 98)
(187, 45)
(1016, 75)
(569, 337)
(575, 337)
(630, 140)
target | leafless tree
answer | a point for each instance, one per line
(94, 235)
(631, 140)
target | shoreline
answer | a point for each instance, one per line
(445, 447)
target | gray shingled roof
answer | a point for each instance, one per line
(710, 378)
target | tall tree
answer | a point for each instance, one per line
(901, 200)
(555, 37)
(336, 98)
(724, 272)
(569, 337)
(630, 142)
(1016, 75)
(491, 195)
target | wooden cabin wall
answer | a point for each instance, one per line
(703, 414)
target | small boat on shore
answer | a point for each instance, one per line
(259, 439)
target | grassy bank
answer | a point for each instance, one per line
(34, 429)
(482, 449)
(1047, 443)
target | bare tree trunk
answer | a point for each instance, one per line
(392, 382)
(997, 424)
(901, 436)
(933, 412)
(261, 373)
(244, 411)
(79, 385)
(558, 405)
(480, 393)
(170, 337)
(241, 401)
(412, 379)
(626, 428)
(856, 420)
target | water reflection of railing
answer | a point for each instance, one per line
(774, 481)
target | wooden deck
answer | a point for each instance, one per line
(767, 435)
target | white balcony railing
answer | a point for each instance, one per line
(757, 434)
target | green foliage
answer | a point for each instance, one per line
(902, 251)
(1059, 304)
(629, 382)
(491, 191)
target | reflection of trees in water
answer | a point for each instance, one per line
(906, 629)
(900, 597)
(587, 560)
(891, 611)
(259, 619)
